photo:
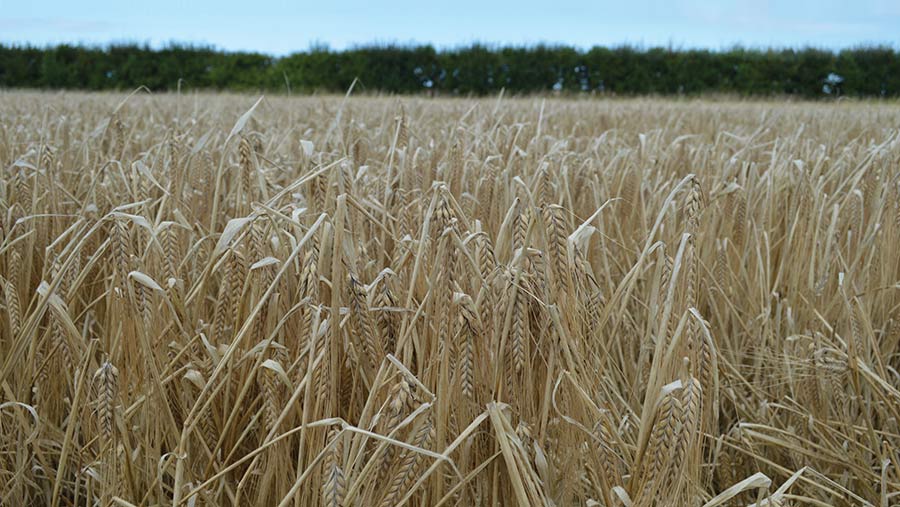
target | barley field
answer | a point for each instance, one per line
(378, 301)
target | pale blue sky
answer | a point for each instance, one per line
(280, 27)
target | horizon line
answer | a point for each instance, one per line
(322, 46)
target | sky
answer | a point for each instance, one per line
(281, 27)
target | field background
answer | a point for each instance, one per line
(382, 301)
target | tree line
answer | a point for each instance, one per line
(872, 71)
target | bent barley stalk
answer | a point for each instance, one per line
(360, 301)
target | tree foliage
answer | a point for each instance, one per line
(476, 69)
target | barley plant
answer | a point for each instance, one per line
(374, 301)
